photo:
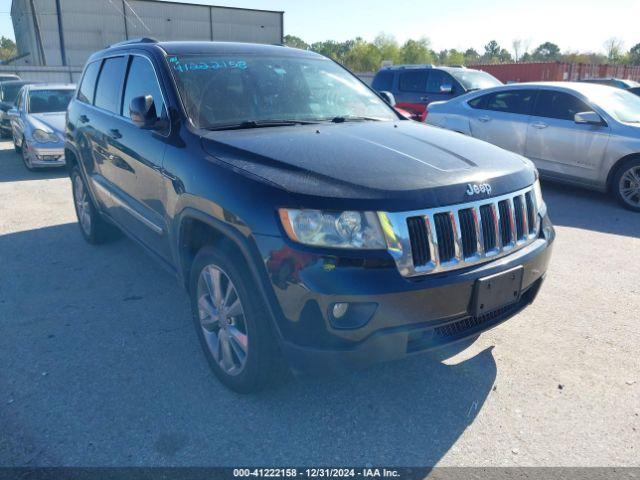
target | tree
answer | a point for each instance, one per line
(504, 56)
(546, 52)
(295, 42)
(416, 51)
(491, 50)
(7, 48)
(363, 57)
(388, 47)
(517, 48)
(613, 48)
(471, 56)
(634, 54)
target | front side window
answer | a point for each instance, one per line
(109, 84)
(475, 79)
(49, 101)
(438, 78)
(88, 85)
(225, 89)
(142, 81)
(413, 81)
(559, 105)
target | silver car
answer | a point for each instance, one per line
(37, 123)
(579, 133)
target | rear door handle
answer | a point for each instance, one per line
(84, 119)
(115, 133)
(539, 125)
(484, 119)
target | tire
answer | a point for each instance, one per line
(15, 145)
(626, 184)
(25, 159)
(93, 226)
(248, 357)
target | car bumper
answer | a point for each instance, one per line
(403, 316)
(42, 157)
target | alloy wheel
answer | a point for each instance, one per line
(83, 209)
(26, 158)
(629, 186)
(222, 320)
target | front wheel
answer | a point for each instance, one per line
(93, 227)
(232, 322)
(26, 156)
(626, 184)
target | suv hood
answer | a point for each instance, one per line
(403, 164)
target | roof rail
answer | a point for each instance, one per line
(134, 40)
(402, 67)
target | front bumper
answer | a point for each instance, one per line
(411, 315)
(45, 157)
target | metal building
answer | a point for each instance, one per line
(66, 32)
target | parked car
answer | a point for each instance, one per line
(8, 93)
(578, 133)
(415, 86)
(304, 216)
(613, 82)
(635, 91)
(6, 77)
(37, 123)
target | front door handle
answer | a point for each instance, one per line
(115, 133)
(84, 119)
(539, 125)
(484, 119)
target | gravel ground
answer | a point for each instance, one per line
(100, 365)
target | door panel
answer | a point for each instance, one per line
(555, 143)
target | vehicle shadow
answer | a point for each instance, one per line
(103, 368)
(13, 170)
(586, 209)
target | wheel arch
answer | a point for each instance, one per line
(616, 165)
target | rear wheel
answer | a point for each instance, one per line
(93, 227)
(626, 184)
(232, 321)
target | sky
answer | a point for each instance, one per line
(572, 24)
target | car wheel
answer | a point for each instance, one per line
(93, 226)
(232, 322)
(626, 184)
(26, 158)
(17, 148)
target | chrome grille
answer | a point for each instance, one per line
(445, 238)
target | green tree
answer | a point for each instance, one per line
(7, 48)
(363, 57)
(613, 47)
(471, 56)
(634, 55)
(491, 51)
(417, 51)
(546, 52)
(504, 56)
(388, 47)
(295, 42)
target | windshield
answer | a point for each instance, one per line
(620, 104)
(475, 79)
(631, 83)
(48, 101)
(226, 89)
(10, 92)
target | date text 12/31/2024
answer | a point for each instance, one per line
(316, 473)
(208, 65)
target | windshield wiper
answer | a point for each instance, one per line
(258, 124)
(354, 119)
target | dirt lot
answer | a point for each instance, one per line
(100, 364)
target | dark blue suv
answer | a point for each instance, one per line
(415, 86)
(307, 219)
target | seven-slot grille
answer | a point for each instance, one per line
(446, 238)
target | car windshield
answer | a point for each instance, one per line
(620, 104)
(475, 79)
(631, 83)
(223, 90)
(48, 101)
(10, 92)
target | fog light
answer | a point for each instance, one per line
(339, 310)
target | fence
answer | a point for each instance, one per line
(44, 74)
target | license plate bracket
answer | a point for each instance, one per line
(496, 291)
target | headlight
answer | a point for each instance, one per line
(359, 230)
(537, 192)
(41, 136)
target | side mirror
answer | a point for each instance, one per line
(388, 97)
(587, 118)
(142, 111)
(446, 88)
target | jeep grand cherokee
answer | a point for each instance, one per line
(307, 220)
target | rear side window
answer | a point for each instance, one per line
(383, 81)
(88, 85)
(413, 81)
(110, 84)
(142, 81)
(560, 105)
(510, 101)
